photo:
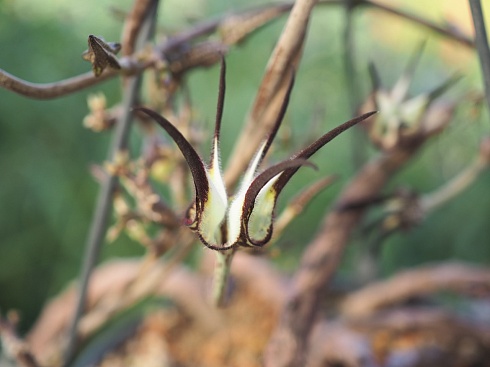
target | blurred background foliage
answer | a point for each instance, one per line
(47, 192)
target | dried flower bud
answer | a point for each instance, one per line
(96, 102)
(401, 117)
(99, 118)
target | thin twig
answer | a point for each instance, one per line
(242, 24)
(298, 204)
(52, 90)
(132, 26)
(132, 66)
(443, 31)
(123, 283)
(150, 276)
(482, 45)
(104, 200)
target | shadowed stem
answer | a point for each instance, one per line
(102, 211)
(104, 200)
(221, 275)
(482, 45)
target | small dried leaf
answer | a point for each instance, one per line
(101, 54)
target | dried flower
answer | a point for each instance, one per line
(245, 219)
(400, 116)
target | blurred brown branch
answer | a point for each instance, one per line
(52, 90)
(402, 286)
(132, 26)
(444, 31)
(372, 340)
(321, 258)
(233, 29)
(175, 51)
(279, 71)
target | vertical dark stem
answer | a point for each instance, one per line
(353, 94)
(104, 200)
(482, 45)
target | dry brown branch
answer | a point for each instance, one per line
(235, 28)
(132, 26)
(426, 337)
(351, 342)
(116, 279)
(409, 337)
(148, 278)
(285, 56)
(333, 343)
(415, 282)
(127, 281)
(239, 25)
(282, 63)
(242, 25)
(321, 258)
(299, 203)
(52, 90)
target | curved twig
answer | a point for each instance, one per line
(444, 31)
(415, 282)
(52, 90)
(132, 26)
(71, 85)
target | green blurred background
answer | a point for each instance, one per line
(47, 193)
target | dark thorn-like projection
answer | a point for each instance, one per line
(315, 146)
(192, 158)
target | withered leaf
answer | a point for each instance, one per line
(101, 54)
